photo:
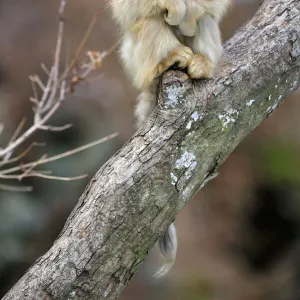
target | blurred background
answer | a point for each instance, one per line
(239, 237)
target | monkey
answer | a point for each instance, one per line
(199, 30)
(149, 46)
(156, 34)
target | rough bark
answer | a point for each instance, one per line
(138, 192)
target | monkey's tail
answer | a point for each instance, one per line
(168, 247)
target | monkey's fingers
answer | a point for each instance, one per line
(175, 12)
(188, 27)
(200, 67)
(181, 55)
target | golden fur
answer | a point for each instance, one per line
(158, 33)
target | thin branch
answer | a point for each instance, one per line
(17, 131)
(55, 70)
(80, 47)
(62, 155)
(112, 48)
(55, 128)
(60, 178)
(38, 120)
(28, 170)
(22, 155)
(53, 93)
(42, 174)
(14, 137)
(51, 99)
(12, 188)
(35, 79)
(45, 69)
(34, 101)
(35, 97)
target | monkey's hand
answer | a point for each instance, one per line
(175, 11)
(200, 67)
(188, 27)
(181, 55)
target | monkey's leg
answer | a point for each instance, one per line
(146, 102)
(155, 48)
(207, 47)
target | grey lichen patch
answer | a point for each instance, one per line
(187, 160)
(176, 88)
(250, 102)
(189, 124)
(173, 96)
(278, 101)
(194, 117)
(109, 289)
(294, 85)
(228, 116)
(72, 294)
(279, 94)
(174, 178)
(188, 163)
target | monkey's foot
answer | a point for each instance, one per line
(200, 67)
(181, 55)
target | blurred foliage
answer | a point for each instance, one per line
(282, 161)
(193, 289)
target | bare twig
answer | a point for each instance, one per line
(46, 100)
(52, 93)
(60, 156)
(23, 154)
(42, 174)
(56, 128)
(81, 46)
(12, 188)
(57, 177)
(45, 69)
(35, 79)
(28, 170)
(14, 137)
(18, 130)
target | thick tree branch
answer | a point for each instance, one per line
(139, 191)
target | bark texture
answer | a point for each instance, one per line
(138, 192)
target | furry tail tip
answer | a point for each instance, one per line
(168, 248)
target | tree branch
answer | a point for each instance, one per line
(138, 192)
